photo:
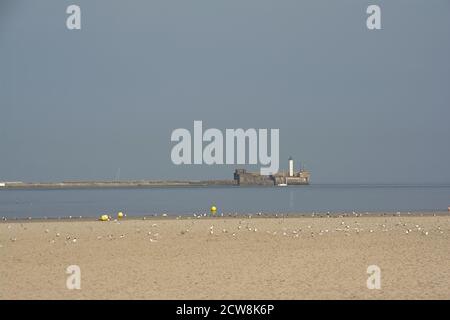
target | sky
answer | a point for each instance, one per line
(352, 105)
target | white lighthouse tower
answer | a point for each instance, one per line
(291, 167)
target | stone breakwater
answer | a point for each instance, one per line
(116, 184)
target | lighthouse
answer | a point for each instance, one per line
(291, 167)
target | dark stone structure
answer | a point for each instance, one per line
(244, 178)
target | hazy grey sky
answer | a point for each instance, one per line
(352, 105)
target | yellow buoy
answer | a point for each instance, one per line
(120, 215)
(104, 217)
(213, 209)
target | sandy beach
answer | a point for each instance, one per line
(228, 258)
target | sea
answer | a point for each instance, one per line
(320, 198)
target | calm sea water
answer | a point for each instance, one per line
(319, 198)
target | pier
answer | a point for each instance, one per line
(241, 178)
(115, 184)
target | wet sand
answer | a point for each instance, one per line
(228, 258)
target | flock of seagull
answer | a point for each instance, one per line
(346, 227)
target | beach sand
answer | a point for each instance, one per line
(243, 258)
